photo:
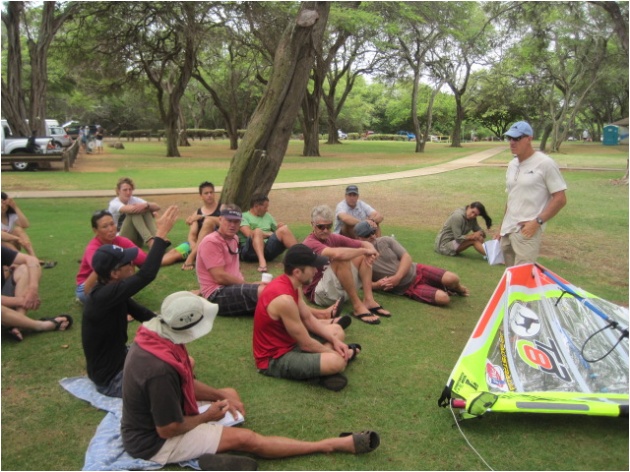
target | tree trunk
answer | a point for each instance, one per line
(429, 116)
(545, 137)
(310, 117)
(13, 102)
(255, 165)
(459, 119)
(310, 125)
(333, 136)
(414, 111)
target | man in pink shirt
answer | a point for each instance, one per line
(218, 269)
(350, 268)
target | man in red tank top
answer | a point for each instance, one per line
(289, 341)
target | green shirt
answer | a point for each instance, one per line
(266, 223)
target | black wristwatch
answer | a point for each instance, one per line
(539, 221)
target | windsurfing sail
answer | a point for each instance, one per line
(543, 345)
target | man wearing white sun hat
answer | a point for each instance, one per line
(161, 421)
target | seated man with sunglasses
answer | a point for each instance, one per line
(104, 328)
(395, 272)
(218, 269)
(350, 269)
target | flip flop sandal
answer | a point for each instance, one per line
(335, 382)
(375, 311)
(354, 347)
(226, 462)
(48, 264)
(58, 323)
(344, 321)
(14, 333)
(336, 312)
(365, 441)
(363, 315)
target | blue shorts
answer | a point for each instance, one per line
(273, 248)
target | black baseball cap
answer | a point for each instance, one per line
(300, 255)
(108, 256)
(352, 189)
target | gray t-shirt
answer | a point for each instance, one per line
(386, 264)
(529, 185)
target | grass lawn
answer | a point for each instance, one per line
(394, 385)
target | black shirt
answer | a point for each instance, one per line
(104, 328)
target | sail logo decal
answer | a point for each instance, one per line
(544, 357)
(523, 321)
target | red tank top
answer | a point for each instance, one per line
(271, 339)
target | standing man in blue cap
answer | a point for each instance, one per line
(536, 193)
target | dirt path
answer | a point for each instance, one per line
(472, 160)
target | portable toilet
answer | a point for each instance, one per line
(611, 135)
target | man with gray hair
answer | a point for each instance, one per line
(350, 268)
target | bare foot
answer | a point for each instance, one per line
(462, 291)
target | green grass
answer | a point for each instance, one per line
(393, 386)
(585, 155)
(145, 163)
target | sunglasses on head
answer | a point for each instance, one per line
(516, 140)
(323, 227)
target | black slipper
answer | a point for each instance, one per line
(363, 315)
(226, 462)
(354, 347)
(365, 441)
(336, 313)
(58, 323)
(344, 321)
(14, 333)
(333, 382)
(375, 311)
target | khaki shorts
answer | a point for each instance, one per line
(329, 289)
(518, 249)
(204, 439)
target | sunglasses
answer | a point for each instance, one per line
(323, 227)
(516, 140)
(231, 251)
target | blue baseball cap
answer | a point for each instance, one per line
(520, 128)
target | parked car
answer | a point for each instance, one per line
(11, 145)
(410, 136)
(72, 128)
(59, 136)
(341, 134)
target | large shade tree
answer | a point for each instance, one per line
(21, 99)
(255, 165)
